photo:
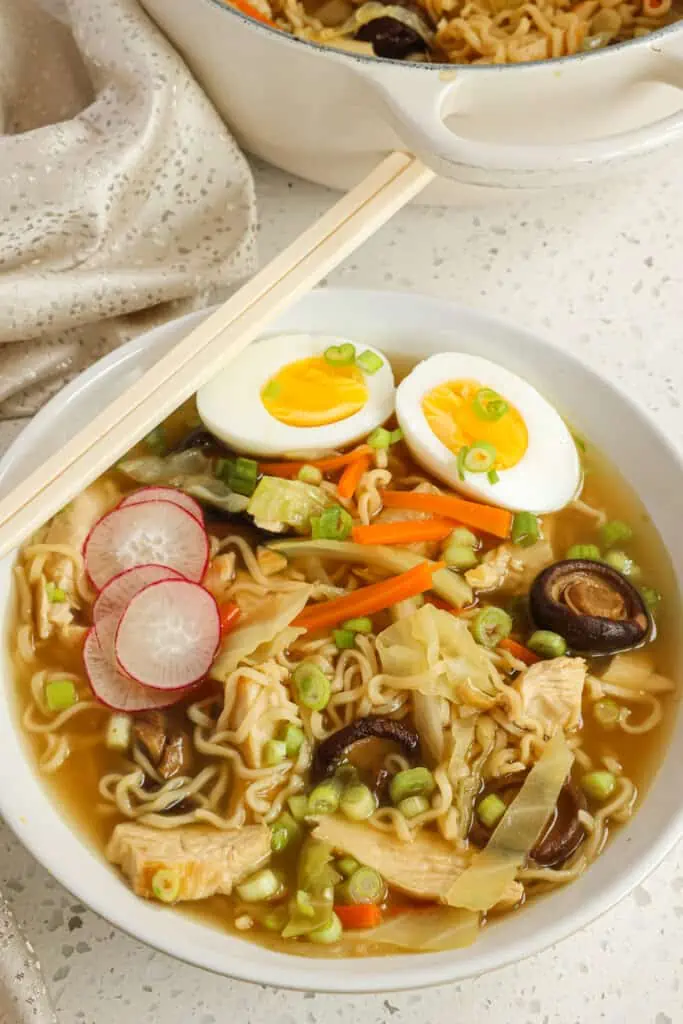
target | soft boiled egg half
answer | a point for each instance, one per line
(297, 395)
(488, 434)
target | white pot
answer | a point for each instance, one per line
(329, 116)
(405, 327)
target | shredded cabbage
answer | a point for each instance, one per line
(484, 882)
(428, 719)
(635, 671)
(313, 904)
(434, 653)
(446, 583)
(261, 628)
(191, 471)
(277, 504)
(429, 929)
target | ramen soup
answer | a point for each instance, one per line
(348, 667)
(465, 31)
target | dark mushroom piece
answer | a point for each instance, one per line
(391, 38)
(169, 749)
(591, 605)
(563, 833)
(201, 438)
(332, 751)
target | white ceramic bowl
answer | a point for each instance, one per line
(401, 325)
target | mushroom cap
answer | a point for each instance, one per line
(333, 749)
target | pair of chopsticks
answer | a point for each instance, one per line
(210, 346)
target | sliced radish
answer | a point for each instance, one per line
(115, 597)
(152, 533)
(171, 494)
(112, 688)
(168, 635)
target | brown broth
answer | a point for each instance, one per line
(75, 786)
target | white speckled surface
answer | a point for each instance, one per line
(601, 272)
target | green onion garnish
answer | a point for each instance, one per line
(340, 355)
(380, 438)
(525, 529)
(240, 474)
(492, 476)
(311, 686)
(344, 639)
(589, 551)
(334, 523)
(460, 463)
(396, 435)
(488, 405)
(479, 457)
(60, 694)
(363, 624)
(156, 441)
(369, 362)
(166, 885)
(55, 594)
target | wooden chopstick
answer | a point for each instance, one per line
(207, 348)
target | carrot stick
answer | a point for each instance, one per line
(409, 531)
(229, 616)
(290, 469)
(251, 11)
(487, 518)
(519, 651)
(361, 915)
(350, 478)
(368, 600)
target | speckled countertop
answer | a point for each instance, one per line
(600, 271)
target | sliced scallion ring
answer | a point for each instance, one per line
(480, 457)
(340, 355)
(488, 405)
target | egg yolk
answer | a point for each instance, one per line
(464, 412)
(312, 392)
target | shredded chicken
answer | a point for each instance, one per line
(551, 693)
(509, 568)
(206, 861)
(491, 572)
(220, 575)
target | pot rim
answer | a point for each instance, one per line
(378, 62)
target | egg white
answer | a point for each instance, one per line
(548, 475)
(230, 404)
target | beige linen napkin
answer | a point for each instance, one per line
(123, 198)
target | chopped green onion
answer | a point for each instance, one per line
(274, 753)
(599, 785)
(380, 438)
(292, 737)
(547, 644)
(311, 686)
(492, 476)
(262, 886)
(156, 440)
(298, 806)
(275, 920)
(607, 713)
(490, 810)
(360, 625)
(589, 551)
(358, 802)
(271, 390)
(334, 523)
(55, 594)
(285, 831)
(479, 457)
(491, 625)
(346, 774)
(396, 435)
(488, 405)
(411, 782)
(615, 532)
(242, 475)
(166, 885)
(369, 362)
(463, 537)
(327, 933)
(347, 866)
(620, 561)
(60, 694)
(364, 886)
(344, 639)
(309, 475)
(413, 806)
(525, 529)
(651, 597)
(460, 462)
(458, 556)
(119, 730)
(340, 355)
(325, 797)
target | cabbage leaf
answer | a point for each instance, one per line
(260, 630)
(427, 929)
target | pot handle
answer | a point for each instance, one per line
(417, 113)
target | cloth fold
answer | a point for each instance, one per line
(123, 198)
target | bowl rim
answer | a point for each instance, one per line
(285, 970)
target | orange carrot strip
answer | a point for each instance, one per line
(487, 518)
(409, 531)
(361, 915)
(290, 469)
(251, 11)
(519, 651)
(437, 602)
(350, 478)
(229, 616)
(368, 600)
